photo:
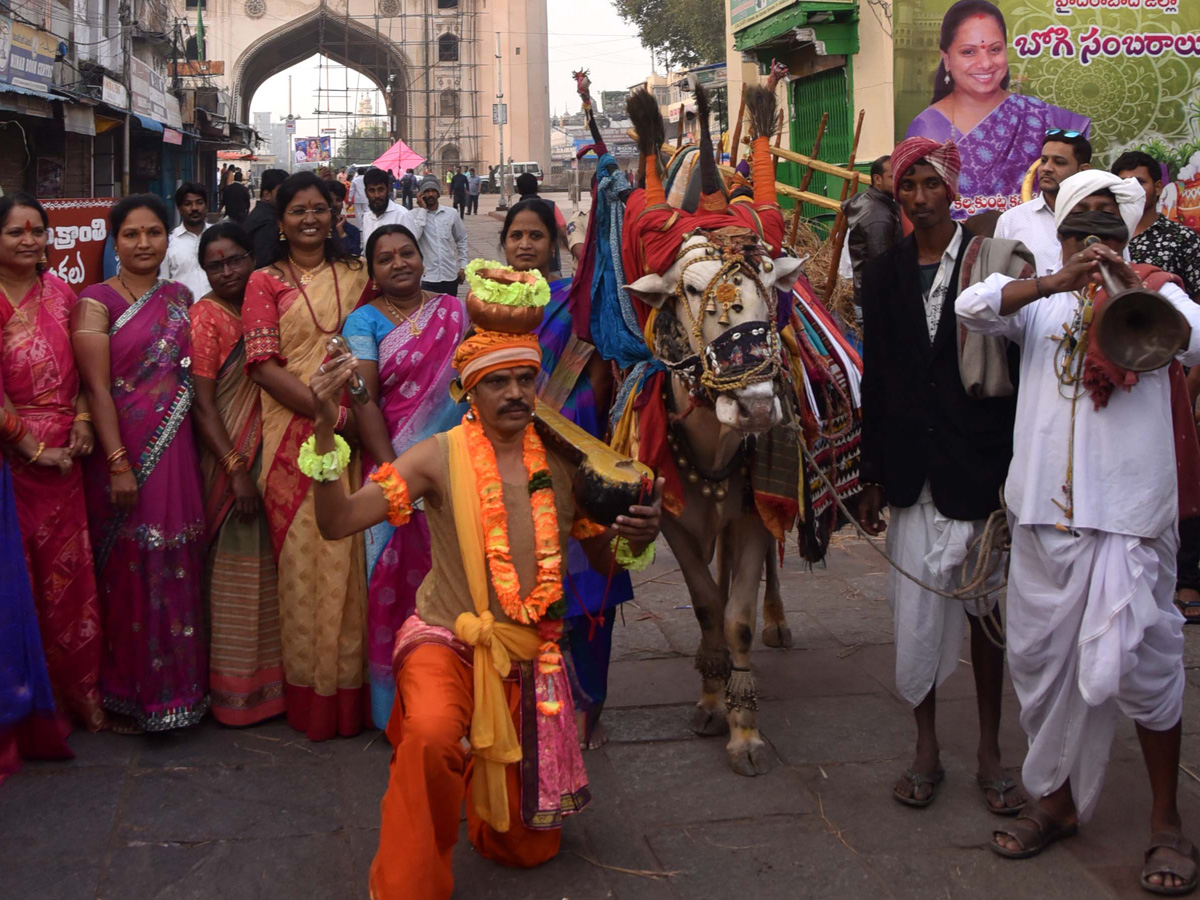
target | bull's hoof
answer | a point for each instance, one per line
(709, 722)
(750, 759)
(777, 635)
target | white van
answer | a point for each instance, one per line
(512, 171)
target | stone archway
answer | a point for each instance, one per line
(342, 40)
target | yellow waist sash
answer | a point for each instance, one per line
(493, 736)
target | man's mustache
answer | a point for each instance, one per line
(514, 406)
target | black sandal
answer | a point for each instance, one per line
(1190, 610)
(1001, 786)
(1169, 840)
(1033, 839)
(918, 781)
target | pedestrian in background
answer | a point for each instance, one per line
(458, 191)
(442, 238)
(408, 188)
(474, 186)
(263, 222)
(381, 208)
(349, 234)
(183, 262)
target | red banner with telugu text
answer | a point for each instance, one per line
(78, 230)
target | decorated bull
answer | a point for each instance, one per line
(714, 405)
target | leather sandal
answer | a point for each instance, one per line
(917, 780)
(1001, 786)
(1034, 837)
(1185, 869)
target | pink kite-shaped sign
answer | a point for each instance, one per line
(399, 157)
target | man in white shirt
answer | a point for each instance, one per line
(182, 262)
(1063, 154)
(381, 208)
(1092, 497)
(358, 194)
(442, 238)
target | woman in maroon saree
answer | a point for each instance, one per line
(42, 383)
(133, 342)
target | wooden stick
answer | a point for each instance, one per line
(839, 225)
(679, 130)
(787, 190)
(779, 129)
(821, 165)
(735, 144)
(807, 178)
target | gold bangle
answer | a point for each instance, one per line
(82, 417)
(121, 471)
(116, 454)
(36, 456)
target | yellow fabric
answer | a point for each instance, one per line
(493, 736)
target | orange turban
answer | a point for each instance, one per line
(488, 351)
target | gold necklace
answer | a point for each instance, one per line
(410, 319)
(307, 275)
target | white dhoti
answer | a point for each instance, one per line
(928, 627)
(1091, 629)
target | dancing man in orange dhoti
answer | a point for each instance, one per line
(480, 657)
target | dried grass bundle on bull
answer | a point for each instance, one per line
(716, 399)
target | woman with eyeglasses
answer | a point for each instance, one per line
(245, 661)
(133, 343)
(999, 134)
(293, 307)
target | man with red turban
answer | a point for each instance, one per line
(936, 445)
(479, 661)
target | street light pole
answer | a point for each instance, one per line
(503, 204)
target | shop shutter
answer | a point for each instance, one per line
(812, 97)
(15, 164)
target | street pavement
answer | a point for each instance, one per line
(261, 812)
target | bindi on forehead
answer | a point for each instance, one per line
(29, 226)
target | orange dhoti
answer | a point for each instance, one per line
(430, 776)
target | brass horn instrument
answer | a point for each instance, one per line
(1137, 329)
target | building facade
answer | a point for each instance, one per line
(839, 53)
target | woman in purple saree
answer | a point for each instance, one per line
(999, 134)
(404, 339)
(132, 338)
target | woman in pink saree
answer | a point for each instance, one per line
(133, 342)
(404, 340)
(42, 383)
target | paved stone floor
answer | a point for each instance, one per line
(262, 813)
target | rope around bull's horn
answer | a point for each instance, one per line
(988, 549)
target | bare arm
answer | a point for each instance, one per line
(27, 447)
(339, 515)
(92, 357)
(283, 386)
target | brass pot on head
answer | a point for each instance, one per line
(1137, 329)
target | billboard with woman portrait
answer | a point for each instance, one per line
(996, 77)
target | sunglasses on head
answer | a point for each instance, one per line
(1058, 132)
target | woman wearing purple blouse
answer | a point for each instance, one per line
(999, 134)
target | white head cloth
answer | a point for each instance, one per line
(1131, 197)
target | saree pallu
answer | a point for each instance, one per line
(322, 584)
(29, 728)
(241, 587)
(41, 380)
(414, 381)
(150, 561)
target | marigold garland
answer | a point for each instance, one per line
(547, 547)
(395, 491)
